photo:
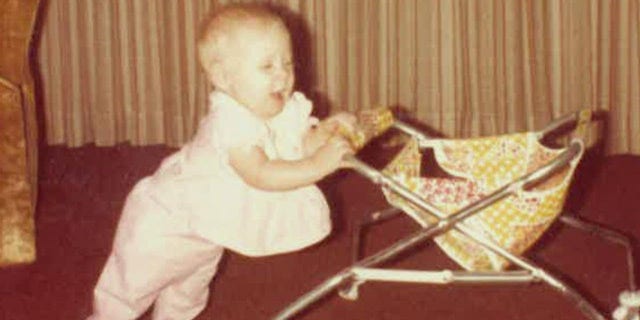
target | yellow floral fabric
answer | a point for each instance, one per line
(478, 167)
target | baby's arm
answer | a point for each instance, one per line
(256, 169)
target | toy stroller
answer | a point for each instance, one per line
(505, 192)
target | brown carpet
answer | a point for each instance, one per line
(82, 191)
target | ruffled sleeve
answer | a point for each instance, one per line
(290, 126)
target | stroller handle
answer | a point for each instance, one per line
(580, 118)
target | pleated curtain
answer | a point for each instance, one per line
(125, 71)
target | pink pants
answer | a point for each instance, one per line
(155, 258)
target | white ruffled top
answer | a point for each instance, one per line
(199, 183)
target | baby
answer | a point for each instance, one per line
(245, 182)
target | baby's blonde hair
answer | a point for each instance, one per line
(223, 22)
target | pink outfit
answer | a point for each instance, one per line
(175, 223)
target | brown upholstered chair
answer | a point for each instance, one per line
(18, 133)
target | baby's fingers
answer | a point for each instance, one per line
(331, 126)
(342, 145)
(347, 120)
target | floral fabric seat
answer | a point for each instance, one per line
(477, 168)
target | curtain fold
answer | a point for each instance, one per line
(126, 71)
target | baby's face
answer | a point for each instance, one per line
(260, 71)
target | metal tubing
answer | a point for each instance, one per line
(609, 235)
(426, 141)
(411, 131)
(493, 277)
(557, 123)
(442, 277)
(314, 295)
(454, 221)
(446, 223)
(374, 217)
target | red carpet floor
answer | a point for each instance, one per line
(82, 191)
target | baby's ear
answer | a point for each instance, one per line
(218, 75)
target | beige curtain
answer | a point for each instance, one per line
(125, 71)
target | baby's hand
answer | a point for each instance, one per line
(342, 124)
(331, 155)
(344, 119)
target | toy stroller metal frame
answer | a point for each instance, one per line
(364, 269)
